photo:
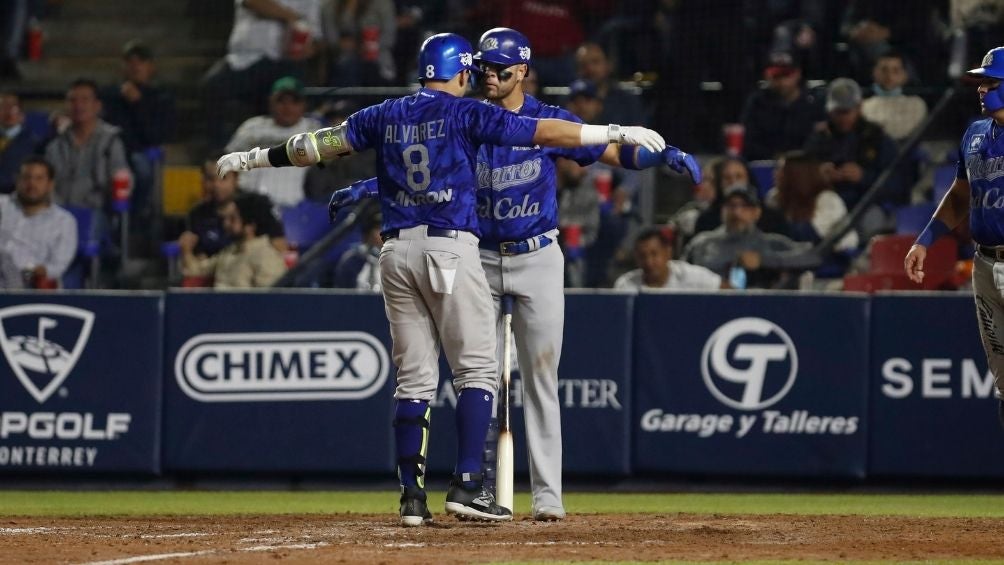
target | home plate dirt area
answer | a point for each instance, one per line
(357, 538)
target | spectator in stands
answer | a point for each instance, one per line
(88, 153)
(531, 82)
(270, 39)
(250, 261)
(286, 117)
(204, 221)
(653, 253)
(729, 172)
(13, 18)
(553, 27)
(766, 259)
(619, 105)
(579, 218)
(17, 142)
(854, 152)
(361, 35)
(319, 182)
(39, 237)
(11, 277)
(807, 201)
(359, 267)
(779, 118)
(873, 28)
(145, 115)
(684, 220)
(616, 188)
(898, 114)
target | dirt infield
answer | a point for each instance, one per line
(378, 539)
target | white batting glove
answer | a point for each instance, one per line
(242, 161)
(635, 135)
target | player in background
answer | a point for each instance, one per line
(518, 213)
(978, 192)
(435, 290)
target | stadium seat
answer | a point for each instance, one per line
(763, 175)
(86, 264)
(944, 175)
(305, 224)
(912, 219)
(887, 254)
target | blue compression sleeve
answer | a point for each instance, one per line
(934, 230)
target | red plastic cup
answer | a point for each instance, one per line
(734, 135)
(572, 235)
(299, 35)
(371, 43)
(604, 182)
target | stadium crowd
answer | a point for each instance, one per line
(802, 112)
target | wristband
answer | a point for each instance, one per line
(640, 159)
(934, 230)
(599, 135)
(278, 157)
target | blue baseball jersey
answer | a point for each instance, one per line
(981, 160)
(517, 183)
(427, 146)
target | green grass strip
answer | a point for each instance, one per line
(151, 503)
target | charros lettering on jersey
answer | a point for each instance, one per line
(749, 364)
(501, 178)
(232, 367)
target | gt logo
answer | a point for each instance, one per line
(767, 369)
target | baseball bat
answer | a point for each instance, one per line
(504, 461)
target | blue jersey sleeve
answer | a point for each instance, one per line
(492, 125)
(364, 128)
(584, 156)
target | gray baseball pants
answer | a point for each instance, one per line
(536, 281)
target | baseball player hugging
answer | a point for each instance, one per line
(434, 287)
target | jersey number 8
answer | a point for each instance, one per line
(421, 167)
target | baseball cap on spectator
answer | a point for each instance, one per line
(582, 87)
(779, 64)
(744, 191)
(288, 85)
(136, 48)
(843, 94)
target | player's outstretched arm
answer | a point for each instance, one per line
(352, 194)
(561, 133)
(301, 150)
(952, 211)
(637, 158)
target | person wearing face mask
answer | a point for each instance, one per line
(16, 141)
(898, 114)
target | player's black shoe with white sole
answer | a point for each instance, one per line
(414, 510)
(477, 503)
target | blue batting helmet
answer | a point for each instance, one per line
(992, 65)
(444, 55)
(503, 46)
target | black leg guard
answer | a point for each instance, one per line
(489, 458)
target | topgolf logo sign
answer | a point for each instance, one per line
(42, 343)
(235, 367)
(760, 370)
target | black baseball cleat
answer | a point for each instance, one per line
(477, 503)
(414, 510)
